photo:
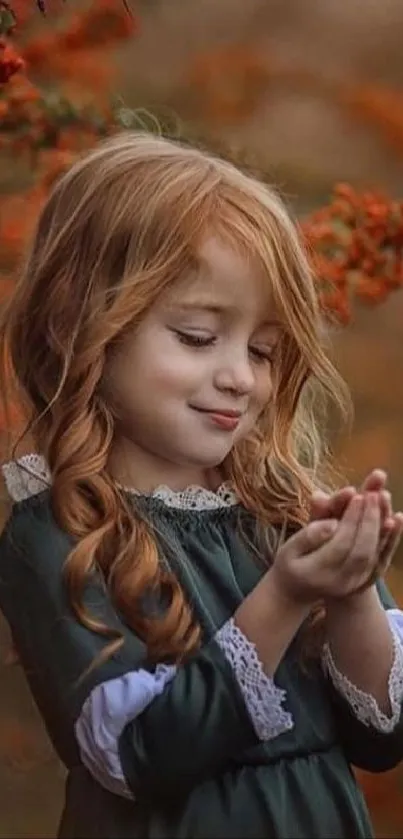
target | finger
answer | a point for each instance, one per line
(387, 531)
(375, 481)
(387, 520)
(331, 506)
(320, 503)
(391, 543)
(311, 537)
(365, 549)
(340, 546)
(361, 567)
(385, 502)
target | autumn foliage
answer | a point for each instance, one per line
(44, 124)
(379, 107)
(56, 86)
(357, 249)
(56, 100)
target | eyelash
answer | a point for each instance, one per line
(195, 340)
(199, 342)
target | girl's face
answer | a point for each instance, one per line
(195, 376)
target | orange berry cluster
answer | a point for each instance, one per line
(356, 244)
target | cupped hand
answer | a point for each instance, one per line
(332, 558)
(333, 506)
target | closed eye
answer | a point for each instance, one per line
(262, 355)
(193, 340)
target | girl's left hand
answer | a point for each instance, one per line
(333, 506)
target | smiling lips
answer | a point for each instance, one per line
(227, 420)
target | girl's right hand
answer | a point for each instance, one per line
(330, 559)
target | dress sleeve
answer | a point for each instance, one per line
(133, 723)
(372, 739)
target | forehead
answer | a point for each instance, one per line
(225, 279)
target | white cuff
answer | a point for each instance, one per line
(364, 705)
(261, 696)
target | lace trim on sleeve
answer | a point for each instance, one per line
(364, 705)
(261, 696)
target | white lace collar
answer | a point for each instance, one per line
(30, 475)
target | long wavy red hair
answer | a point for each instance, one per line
(123, 224)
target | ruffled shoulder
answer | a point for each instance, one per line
(26, 477)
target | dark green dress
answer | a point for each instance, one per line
(192, 760)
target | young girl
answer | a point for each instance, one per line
(208, 642)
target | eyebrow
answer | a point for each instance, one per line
(199, 307)
(214, 308)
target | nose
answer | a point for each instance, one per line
(234, 374)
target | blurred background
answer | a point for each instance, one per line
(309, 95)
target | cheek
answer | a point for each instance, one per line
(162, 373)
(172, 373)
(263, 390)
(262, 396)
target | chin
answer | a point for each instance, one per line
(205, 459)
(210, 462)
